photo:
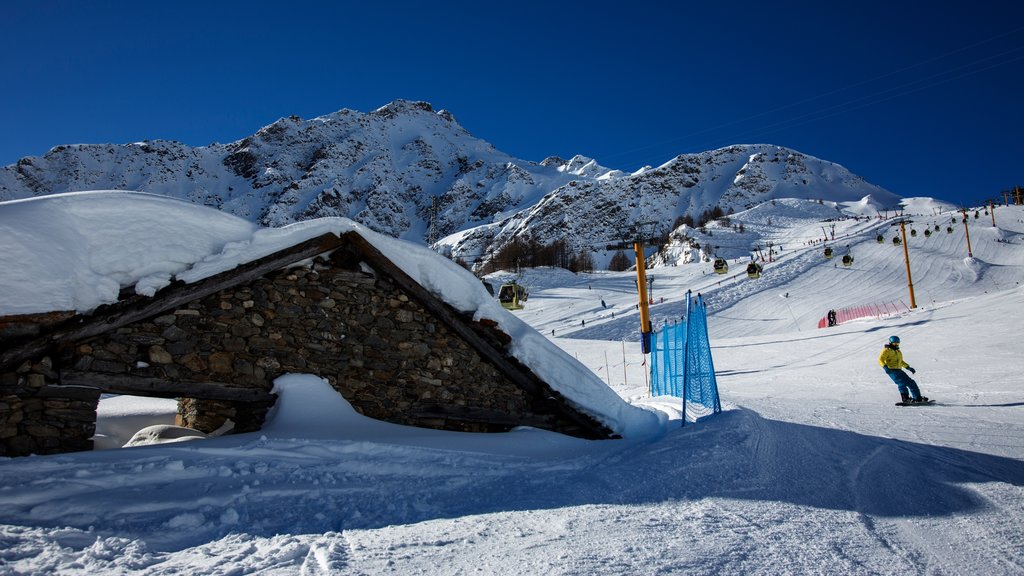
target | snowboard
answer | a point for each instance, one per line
(929, 401)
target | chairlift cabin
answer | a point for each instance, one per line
(721, 266)
(847, 260)
(512, 296)
(828, 252)
(753, 270)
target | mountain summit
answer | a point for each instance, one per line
(409, 171)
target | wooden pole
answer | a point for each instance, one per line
(967, 233)
(906, 259)
(641, 287)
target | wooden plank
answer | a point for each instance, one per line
(158, 388)
(137, 308)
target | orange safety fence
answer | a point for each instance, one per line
(864, 311)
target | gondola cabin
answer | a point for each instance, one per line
(880, 239)
(949, 229)
(927, 232)
(828, 253)
(847, 260)
(753, 270)
(512, 296)
(721, 266)
(896, 241)
(913, 232)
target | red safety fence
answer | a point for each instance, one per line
(864, 311)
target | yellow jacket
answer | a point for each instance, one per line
(892, 358)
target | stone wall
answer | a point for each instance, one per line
(380, 348)
(38, 417)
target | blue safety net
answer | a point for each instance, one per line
(681, 363)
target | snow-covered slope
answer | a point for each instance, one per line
(798, 284)
(810, 469)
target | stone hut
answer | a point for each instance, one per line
(333, 306)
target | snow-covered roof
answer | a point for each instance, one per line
(77, 251)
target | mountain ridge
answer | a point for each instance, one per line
(409, 171)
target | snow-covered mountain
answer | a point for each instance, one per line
(593, 213)
(409, 171)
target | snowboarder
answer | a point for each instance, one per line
(891, 360)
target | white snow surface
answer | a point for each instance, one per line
(809, 469)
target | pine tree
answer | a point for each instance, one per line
(619, 262)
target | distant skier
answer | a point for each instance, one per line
(891, 360)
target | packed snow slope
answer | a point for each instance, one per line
(798, 284)
(810, 469)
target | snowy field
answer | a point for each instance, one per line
(810, 469)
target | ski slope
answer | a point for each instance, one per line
(810, 469)
(799, 285)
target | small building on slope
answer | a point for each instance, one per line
(321, 299)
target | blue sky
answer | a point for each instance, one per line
(922, 98)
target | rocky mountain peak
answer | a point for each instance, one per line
(408, 171)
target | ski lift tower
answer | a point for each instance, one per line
(641, 279)
(906, 258)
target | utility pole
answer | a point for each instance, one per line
(641, 284)
(641, 287)
(992, 211)
(906, 259)
(967, 233)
